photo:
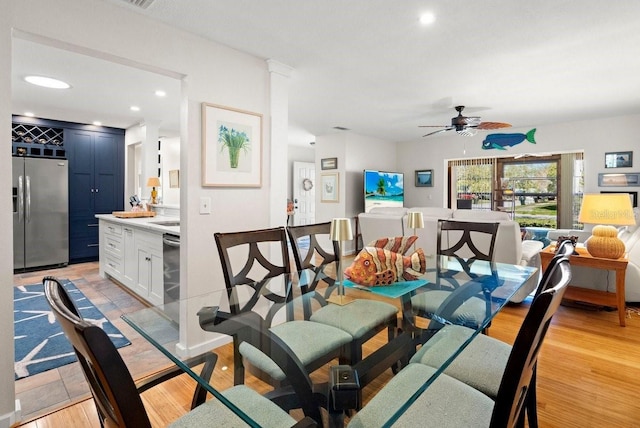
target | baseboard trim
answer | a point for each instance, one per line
(9, 419)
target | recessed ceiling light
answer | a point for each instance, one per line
(160, 93)
(28, 114)
(47, 82)
(134, 108)
(427, 18)
(97, 123)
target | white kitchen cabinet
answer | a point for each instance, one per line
(148, 248)
(111, 250)
(129, 257)
(133, 256)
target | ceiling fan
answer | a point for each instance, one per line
(465, 125)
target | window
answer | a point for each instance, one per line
(536, 182)
(470, 179)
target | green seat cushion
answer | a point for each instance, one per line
(447, 402)
(261, 410)
(471, 313)
(480, 365)
(308, 340)
(357, 318)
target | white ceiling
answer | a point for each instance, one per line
(368, 65)
(101, 90)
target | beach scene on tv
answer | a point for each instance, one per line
(383, 189)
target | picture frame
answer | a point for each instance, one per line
(424, 178)
(231, 147)
(618, 159)
(631, 179)
(632, 195)
(329, 163)
(330, 187)
(174, 178)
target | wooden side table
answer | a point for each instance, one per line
(588, 295)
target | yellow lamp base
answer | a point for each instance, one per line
(604, 243)
(154, 196)
(340, 300)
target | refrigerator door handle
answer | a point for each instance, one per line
(28, 195)
(20, 199)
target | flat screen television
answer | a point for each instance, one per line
(383, 189)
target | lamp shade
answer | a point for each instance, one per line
(607, 208)
(415, 220)
(341, 229)
(153, 182)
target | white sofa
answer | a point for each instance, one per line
(509, 247)
(604, 280)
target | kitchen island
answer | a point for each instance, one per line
(131, 252)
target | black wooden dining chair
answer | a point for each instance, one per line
(248, 267)
(468, 241)
(362, 318)
(448, 401)
(117, 396)
(484, 360)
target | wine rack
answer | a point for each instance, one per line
(36, 140)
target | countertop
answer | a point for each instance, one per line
(148, 223)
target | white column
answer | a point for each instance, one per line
(279, 105)
(150, 163)
(7, 396)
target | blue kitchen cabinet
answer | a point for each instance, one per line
(96, 185)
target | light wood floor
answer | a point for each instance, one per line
(588, 375)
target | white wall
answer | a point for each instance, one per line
(355, 153)
(7, 395)
(213, 73)
(595, 137)
(170, 150)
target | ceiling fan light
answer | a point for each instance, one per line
(467, 132)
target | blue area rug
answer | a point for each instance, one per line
(40, 344)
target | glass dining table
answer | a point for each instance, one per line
(206, 324)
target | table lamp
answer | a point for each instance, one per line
(153, 182)
(340, 231)
(606, 210)
(415, 221)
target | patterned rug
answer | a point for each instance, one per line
(40, 344)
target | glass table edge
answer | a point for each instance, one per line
(216, 394)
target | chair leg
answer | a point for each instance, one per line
(200, 394)
(238, 364)
(531, 402)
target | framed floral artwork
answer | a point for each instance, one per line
(231, 147)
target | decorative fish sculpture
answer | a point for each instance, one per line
(398, 244)
(500, 141)
(380, 266)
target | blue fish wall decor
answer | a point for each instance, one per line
(500, 141)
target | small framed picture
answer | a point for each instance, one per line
(330, 191)
(174, 178)
(618, 160)
(424, 178)
(329, 163)
(619, 180)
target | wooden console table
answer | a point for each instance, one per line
(588, 295)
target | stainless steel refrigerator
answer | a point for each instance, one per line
(40, 212)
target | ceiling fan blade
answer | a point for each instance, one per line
(493, 125)
(437, 132)
(433, 126)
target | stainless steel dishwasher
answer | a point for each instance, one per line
(171, 268)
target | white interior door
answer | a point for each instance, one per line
(304, 193)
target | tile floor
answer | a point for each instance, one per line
(44, 392)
